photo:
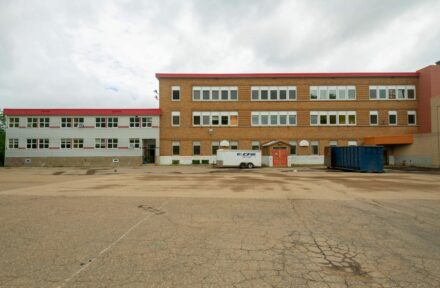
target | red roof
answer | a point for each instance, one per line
(81, 112)
(287, 75)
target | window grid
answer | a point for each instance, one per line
(273, 118)
(13, 144)
(211, 93)
(215, 118)
(273, 93)
(332, 93)
(392, 92)
(332, 118)
(14, 122)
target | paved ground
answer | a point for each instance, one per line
(201, 227)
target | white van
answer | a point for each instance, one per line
(238, 158)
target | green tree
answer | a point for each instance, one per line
(2, 138)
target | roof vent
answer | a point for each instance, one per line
(437, 63)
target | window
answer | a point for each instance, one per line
(392, 118)
(78, 143)
(273, 93)
(293, 147)
(412, 118)
(100, 122)
(66, 143)
(112, 122)
(332, 92)
(196, 148)
(134, 143)
(135, 122)
(112, 143)
(32, 122)
(215, 118)
(13, 144)
(374, 118)
(32, 143)
(392, 92)
(176, 147)
(332, 118)
(314, 145)
(224, 93)
(78, 122)
(373, 92)
(43, 143)
(255, 145)
(147, 122)
(100, 143)
(273, 118)
(214, 147)
(14, 122)
(175, 93)
(66, 122)
(175, 118)
(44, 122)
(352, 143)
(333, 143)
(233, 145)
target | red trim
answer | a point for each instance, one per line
(122, 147)
(89, 147)
(123, 126)
(154, 126)
(54, 147)
(82, 112)
(286, 75)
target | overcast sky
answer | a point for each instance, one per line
(106, 53)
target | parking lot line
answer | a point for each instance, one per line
(88, 264)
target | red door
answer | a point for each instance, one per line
(279, 156)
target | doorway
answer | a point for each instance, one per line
(149, 151)
(279, 156)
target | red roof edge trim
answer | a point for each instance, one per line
(81, 112)
(287, 75)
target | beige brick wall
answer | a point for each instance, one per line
(244, 133)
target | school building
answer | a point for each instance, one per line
(293, 116)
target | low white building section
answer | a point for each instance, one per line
(82, 133)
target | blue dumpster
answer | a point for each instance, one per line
(356, 158)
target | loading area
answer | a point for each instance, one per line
(196, 226)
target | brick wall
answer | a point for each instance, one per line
(244, 133)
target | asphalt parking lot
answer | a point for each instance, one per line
(205, 227)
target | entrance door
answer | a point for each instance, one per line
(279, 156)
(149, 150)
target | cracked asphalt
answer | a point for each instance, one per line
(205, 227)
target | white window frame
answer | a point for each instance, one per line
(135, 143)
(219, 89)
(14, 122)
(43, 122)
(147, 122)
(314, 143)
(13, 143)
(352, 143)
(333, 143)
(277, 90)
(233, 143)
(415, 117)
(112, 143)
(78, 122)
(102, 123)
(387, 89)
(175, 88)
(273, 115)
(100, 143)
(377, 118)
(326, 91)
(337, 114)
(32, 122)
(175, 144)
(112, 122)
(211, 115)
(293, 144)
(390, 113)
(77, 143)
(175, 114)
(135, 122)
(255, 144)
(195, 144)
(67, 143)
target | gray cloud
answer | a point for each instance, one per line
(105, 53)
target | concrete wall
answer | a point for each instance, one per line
(73, 161)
